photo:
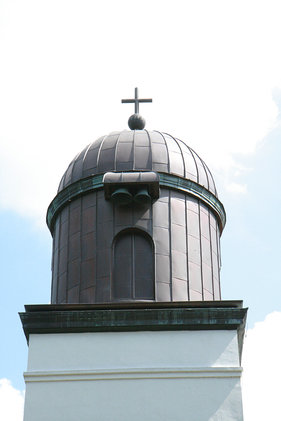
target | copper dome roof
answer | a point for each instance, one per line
(139, 150)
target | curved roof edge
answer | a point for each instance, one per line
(139, 150)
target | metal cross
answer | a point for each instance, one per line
(136, 101)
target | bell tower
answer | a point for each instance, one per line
(136, 328)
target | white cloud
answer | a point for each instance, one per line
(11, 402)
(262, 370)
(236, 188)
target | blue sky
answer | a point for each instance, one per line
(213, 70)
(251, 241)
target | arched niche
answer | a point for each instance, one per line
(133, 266)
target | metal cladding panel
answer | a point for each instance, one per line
(63, 260)
(77, 171)
(87, 296)
(74, 268)
(87, 272)
(160, 154)
(91, 163)
(124, 155)
(163, 291)
(176, 164)
(122, 286)
(178, 236)
(195, 281)
(162, 263)
(90, 166)
(73, 294)
(180, 292)
(104, 236)
(189, 162)
(194, 250)
(74, 250)
(142, 158)
(211, 182)
(161, 214)
(68, 174)
(55, 260)
(179, 265)
(177, 204)
(87, 245)
(161, 238)
(141, 138)
(202, 177)
(106, 162)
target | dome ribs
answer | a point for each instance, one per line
(139, 150)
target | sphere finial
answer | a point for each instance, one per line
(136, 122)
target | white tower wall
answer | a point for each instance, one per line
(141, 375)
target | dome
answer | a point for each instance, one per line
(139, 150)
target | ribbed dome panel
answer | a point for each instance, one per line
(139, 150)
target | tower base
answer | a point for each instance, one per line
(160, 361)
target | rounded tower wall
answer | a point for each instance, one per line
(184, 256)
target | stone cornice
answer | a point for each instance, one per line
(42, 319)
